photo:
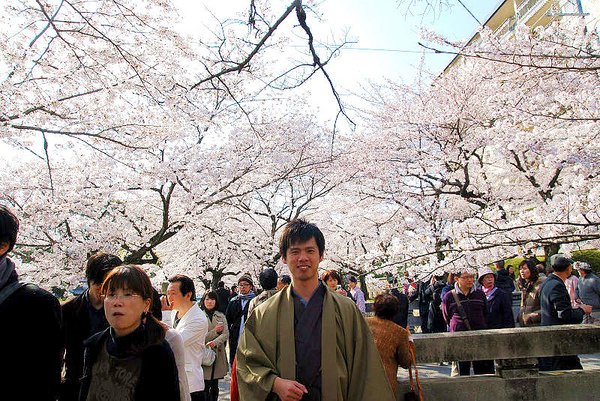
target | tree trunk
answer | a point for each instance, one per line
(550, 250)
(363, 286)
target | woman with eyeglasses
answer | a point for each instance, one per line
(131, 360)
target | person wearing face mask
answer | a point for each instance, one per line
(130, 360)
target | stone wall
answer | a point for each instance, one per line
(515, 351)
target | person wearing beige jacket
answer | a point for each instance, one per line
(216, 339)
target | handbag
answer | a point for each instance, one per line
(208, 357)
(416, 392)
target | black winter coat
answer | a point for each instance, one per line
(76, 323)
(234, 314)
(223, 296)
(500, 315)
(555, 303)
(158, 378)
(504, 281)
(30, 344)
(401, 317)
(435, 319)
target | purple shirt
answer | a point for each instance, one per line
(474, 304)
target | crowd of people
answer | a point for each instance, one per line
(465, 301)
(300, 337)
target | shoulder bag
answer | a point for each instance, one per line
(416, 392)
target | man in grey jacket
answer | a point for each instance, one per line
(588, 291)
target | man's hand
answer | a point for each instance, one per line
(211, 344)
(164, 304)
(587, 309)
(288, 390)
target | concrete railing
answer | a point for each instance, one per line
(515, 351)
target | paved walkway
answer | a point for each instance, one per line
(591, 361)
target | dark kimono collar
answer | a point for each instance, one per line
(305, 302)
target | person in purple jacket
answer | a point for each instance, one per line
(465, 308)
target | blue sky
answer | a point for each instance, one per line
(386, 43)
(373, 24)
(383, 24)
(386, 37)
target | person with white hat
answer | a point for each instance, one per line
(499, 305)
(499, 302)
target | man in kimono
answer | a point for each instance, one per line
(306, 342)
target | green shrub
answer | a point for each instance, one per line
(591, 256)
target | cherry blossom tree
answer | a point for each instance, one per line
(505, 141)
(126, 132)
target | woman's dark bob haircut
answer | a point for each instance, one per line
(386, 306)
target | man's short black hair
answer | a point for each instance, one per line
(186, 285)
(99, 265)
(268, 279)
(220, 284)
(285, 279)
(9, 227)
(560, 262)
(300, 230)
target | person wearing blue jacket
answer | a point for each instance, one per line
(499, 306)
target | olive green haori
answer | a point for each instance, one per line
(351, 367)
